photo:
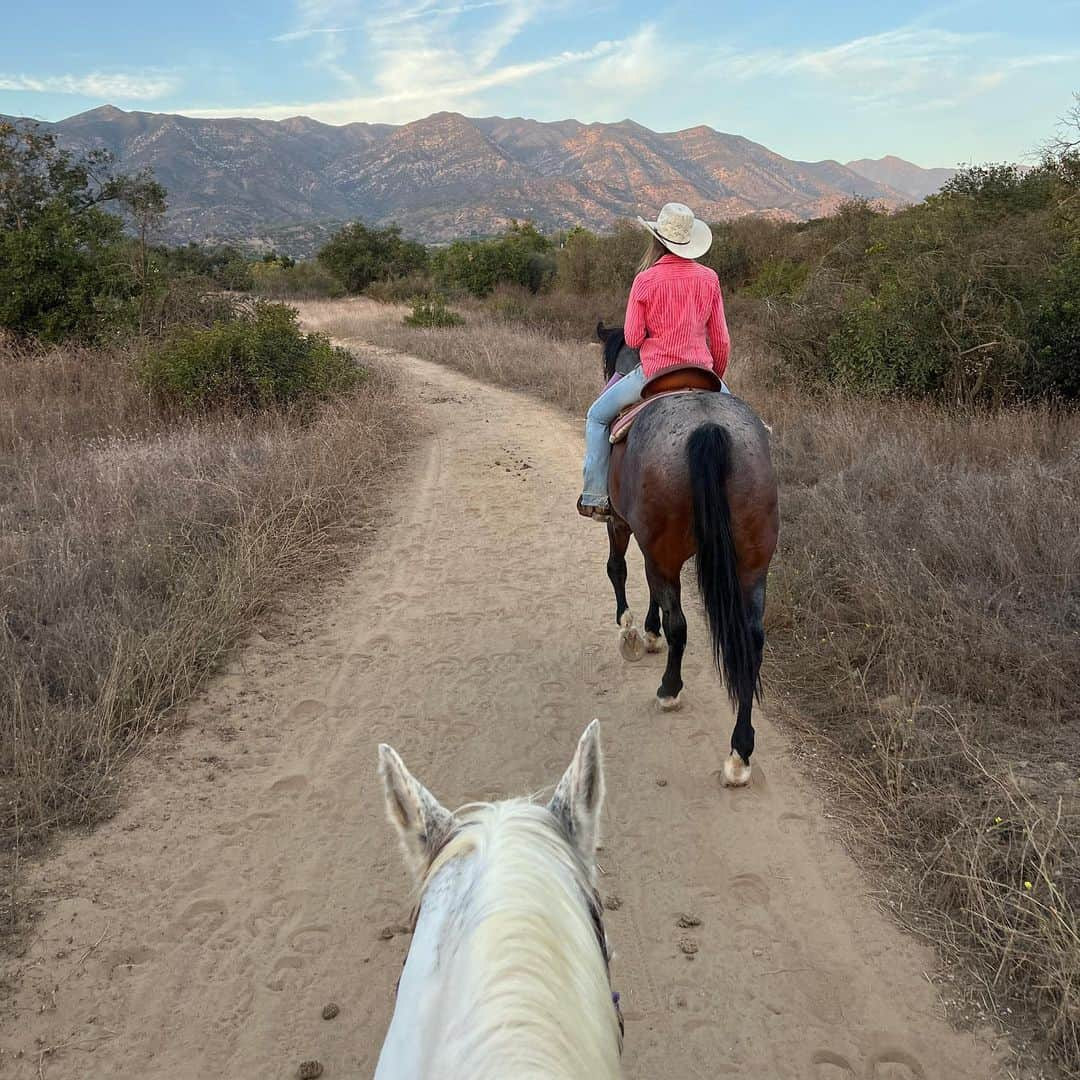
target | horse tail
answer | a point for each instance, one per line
(708, 454)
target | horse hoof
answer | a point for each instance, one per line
(736, 772)
(631, 644)
(653, 642)
(669, 704)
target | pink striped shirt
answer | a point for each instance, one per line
(676, 316)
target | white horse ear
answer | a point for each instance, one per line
(580, 794)
(422, 822)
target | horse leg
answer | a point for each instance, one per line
(631, 644)
(737, 766)
(667, 591)
(653, 641)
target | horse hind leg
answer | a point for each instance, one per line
(736, 770)
(667, 591)
(631, 644)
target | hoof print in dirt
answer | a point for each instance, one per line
(685, 922)
(613, 903)
(309, 1070)
(330, 1011)
(688, 947)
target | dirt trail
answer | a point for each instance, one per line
(247, 879)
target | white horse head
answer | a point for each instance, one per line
(507, 973)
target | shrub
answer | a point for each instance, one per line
(587, 263)
(779, 278)
(966, 298)
(280, 280)
(137, 547)
(521, 256)
(63, 272)
(400, 290)
(432, 311)
(259, 359)
(1055, 339)
(563, 314)
(358, 256)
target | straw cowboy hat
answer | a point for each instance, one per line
(679, 231)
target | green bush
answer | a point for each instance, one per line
(779, 278)
(358, 256)
(521, 256)
(259, 359)
(64, 268)
(1055, 340)
(966, 298)
(287, 280)
(432, 311)
(400, 290)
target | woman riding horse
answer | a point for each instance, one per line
(693, 478)
(675, 316)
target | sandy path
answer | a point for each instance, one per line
(247, 878)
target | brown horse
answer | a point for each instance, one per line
(694, 477)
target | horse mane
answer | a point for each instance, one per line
(529, 966)
(613, 345)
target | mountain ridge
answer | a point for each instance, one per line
(903, 176)
(447, 175)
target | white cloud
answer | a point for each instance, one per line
(428, 12)
(396, 60)
(404, 101)
(917, 66)
(312, 31)
(399, 59)
(904, 56)
(115, 86)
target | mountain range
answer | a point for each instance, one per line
(290, 182)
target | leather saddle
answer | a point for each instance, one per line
(683, 379)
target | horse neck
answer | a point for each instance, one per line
(504, 975)
(627, 360)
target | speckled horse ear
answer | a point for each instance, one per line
(579, 796)
(421, 821)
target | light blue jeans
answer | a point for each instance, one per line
(597, 428)
(597, 422)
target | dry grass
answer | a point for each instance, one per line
(134, 550)
(487, 347)
(924, 628)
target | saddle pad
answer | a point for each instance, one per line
(620, 426)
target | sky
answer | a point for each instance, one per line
(938, 84)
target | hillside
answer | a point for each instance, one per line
(446, 176)
(902, 176)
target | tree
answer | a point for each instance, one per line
(63, 270)
(142, 200)
(521, 256)
(359, 256)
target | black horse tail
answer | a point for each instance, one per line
(708, 454)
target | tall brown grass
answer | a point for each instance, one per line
(135, 548)
(487, 347)
(924, 627)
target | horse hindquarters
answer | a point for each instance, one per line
(735, 616)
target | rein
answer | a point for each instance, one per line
(596, 913)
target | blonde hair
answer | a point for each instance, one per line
(654, 251)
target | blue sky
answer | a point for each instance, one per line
(975, 80)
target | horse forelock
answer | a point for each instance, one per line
(530, 969)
